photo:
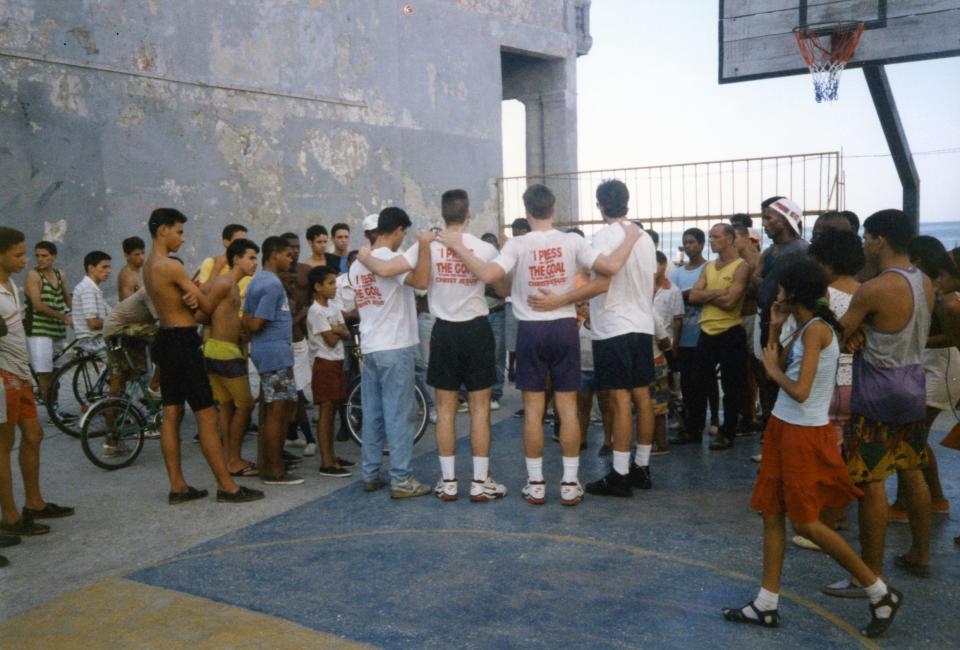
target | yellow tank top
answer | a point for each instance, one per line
(713, 319)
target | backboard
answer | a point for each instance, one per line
(756, 36)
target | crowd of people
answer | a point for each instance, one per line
(836, 349)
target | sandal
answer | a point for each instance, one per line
(878, 626)
(769, 618)
(912, 566)
(247, 471)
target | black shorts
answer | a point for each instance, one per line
(462, 353)
(183, 375)
(623, 362)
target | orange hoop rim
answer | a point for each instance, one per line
(844, 38)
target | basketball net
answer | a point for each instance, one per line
(826, 62)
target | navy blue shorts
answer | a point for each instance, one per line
(623, 362)
(548, 348)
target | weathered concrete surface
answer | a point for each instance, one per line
(276, 114)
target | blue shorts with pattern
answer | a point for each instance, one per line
(278, 385)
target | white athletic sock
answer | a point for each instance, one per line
(766, 600)
(876, 591)
(481, 467)
(571, 465)
(448, 467)
(535, 469)
(621, 462)
(643, 455)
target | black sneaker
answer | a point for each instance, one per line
(721, 443)
(191, 494)
(346, 464)
(291, 458)
(24, 527)
(611, 485)
(243, 495)
(7, 541)
(335, 472)
(684, 439)
(49, 511)
(640, 477)
(343, 435)
(284, 479)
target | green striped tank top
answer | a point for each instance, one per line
(53, 297)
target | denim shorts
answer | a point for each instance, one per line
(588, 381)
(278, 386)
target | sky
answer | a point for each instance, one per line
(648, 94)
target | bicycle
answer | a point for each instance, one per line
(74, 387)
(39, 397)
(113, 429)
(354, 405)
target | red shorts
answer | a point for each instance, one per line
(20, 402)
(328, 382)
(801, 473)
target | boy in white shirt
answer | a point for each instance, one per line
(388, 338)
(326, 332)
(89, 307)
(548, 344)
(462, 349)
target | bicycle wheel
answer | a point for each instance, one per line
(422, 415)
(111, 433)
(90, 381)
(62, 403)
(354, 409)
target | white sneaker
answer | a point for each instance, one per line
(433, 416)
(310, 449)
(446, 490)
(151, 434)
(757, 458)
(803, 542)
(535, 492)
(463, 408)
(494, 405)
(487, 490)
(299, 442)
(571, 493)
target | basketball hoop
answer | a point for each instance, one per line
(826, 62)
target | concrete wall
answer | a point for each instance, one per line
(273, 113)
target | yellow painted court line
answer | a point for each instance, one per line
(568, 539)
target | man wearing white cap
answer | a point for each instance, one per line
(782, 223)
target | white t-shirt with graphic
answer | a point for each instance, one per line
(456, 294)
(627, 306)
(388, 311)
(323, 318)
(544, 259)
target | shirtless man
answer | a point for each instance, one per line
(176, 351)
(130, 278)
(224, 357)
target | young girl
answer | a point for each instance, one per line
(802, 471)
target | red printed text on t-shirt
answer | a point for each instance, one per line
(546, 267)
(367, 293)
(450, 269)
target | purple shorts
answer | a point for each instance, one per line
(548, 348)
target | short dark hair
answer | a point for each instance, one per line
(454, 206)
(239, 248)
(48, 246)
(575, 231)
(520, 224)
(319, 273)
(654, 235)
(661, 258)
(613, 197)
(839, 250)
(742, 230)
(10, 237)
(273, 244)
(930, 256)
(131, 244)
(853, 219)
(741, 219)
(352, 256)
(93, 258)
(338, 227)
(315, 231)
(696, 233)
(290, 235)
(491, 239)
(164, 217)
(894, 226)
(392, 218)
(231, 230)
(538, 201)
(768, 202)
(727, 229)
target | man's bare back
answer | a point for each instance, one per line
(128, 282)
(890, 301)
(225, 301)
(169, 287)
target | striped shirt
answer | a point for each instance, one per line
(53, 297)
(88, 302)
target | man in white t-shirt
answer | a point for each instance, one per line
(622, 325)
(462, 348)
(89, 307)
(548, 344)
(388, 339)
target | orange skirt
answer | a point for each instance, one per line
(801, 472)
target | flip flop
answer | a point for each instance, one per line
(844, 589)
(247, 471)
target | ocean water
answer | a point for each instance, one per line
(948, 232)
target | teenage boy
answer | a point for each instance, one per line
(326, 333)
(224, 356)
(217, 265)
(462, 349)
(176, 350)
(89, 307)
(130, 279)
(622, 327)
(267, 317)
(46, 319)
(548, 343)
(317, 240)
(340, 233)
(388, 338)
(21, 409)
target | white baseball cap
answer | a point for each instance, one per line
(790, 211)
(370, 222)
